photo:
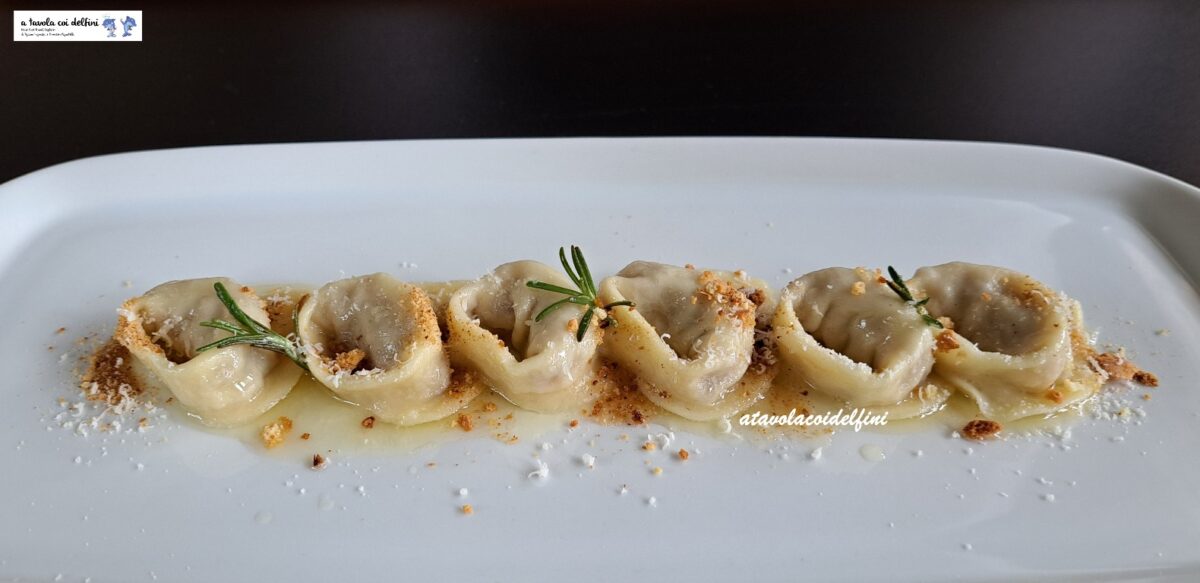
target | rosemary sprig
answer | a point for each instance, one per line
(581, 276)
(248, 331)
(897, 284)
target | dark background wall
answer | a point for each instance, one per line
(1120, 78)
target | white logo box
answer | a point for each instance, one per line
(77, 25)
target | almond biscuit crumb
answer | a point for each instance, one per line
(349, 360)
(274, 433)
(712, 288)
(981, 429)
(945, 341)
(1120, 368)
(109, 376)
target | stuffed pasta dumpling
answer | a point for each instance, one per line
(375, 342)
(1009, 339)
(537, 365)
(845, 333)
(691, 338)
(222, 387)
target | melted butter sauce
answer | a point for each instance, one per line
(337, 427)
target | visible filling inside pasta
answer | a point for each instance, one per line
(1008, 315)
(685, 313)
(500, 318)
(507, 308)
(175, 327)
(851, 313)
(863, 347)
(367, 330)
(684, 340)
(177, 346)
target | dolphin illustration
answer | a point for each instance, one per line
(128, 22)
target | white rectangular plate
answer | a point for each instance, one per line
(181, 504)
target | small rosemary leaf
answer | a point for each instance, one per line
(584, 323)
(270, 343)
(585, 275)
(921, 303)
(208, 346)
(236, 311)
(562, 256)
(533, 283)
(899, 291)
(254, 334)
(550, 308)
(932, 321)
(223, 325)
(225, 342)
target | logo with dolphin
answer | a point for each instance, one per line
(110, 24)
(128, 22)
